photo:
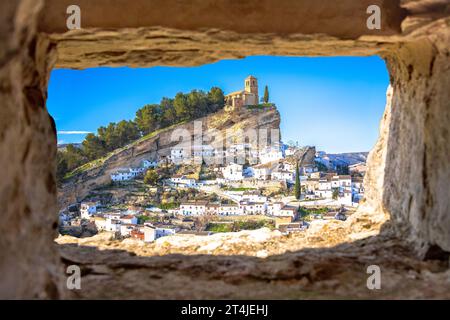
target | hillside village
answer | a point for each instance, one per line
(226, 194)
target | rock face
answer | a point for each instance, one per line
(417, 170)
(219, 126)
(259, 264)
(408, 170)
(29, 264)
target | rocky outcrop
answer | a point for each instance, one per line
(29, 264)
(219, 126)
(259, 264)
(416, 168)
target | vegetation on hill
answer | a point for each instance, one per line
(297, 187)
(148, 120)
(239, 225)
(265, 98)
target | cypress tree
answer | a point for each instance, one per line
(297, 187)
(266, 94)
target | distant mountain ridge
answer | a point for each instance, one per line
(346, 158)
(62, 146)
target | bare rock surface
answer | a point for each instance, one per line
(334, 273)
(408, 170)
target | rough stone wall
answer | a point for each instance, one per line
(417, 170)
(29, 263)
(415, 146)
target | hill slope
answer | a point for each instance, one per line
(159, 143)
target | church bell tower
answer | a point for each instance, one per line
(251, 86)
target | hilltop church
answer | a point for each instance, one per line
(246, 97)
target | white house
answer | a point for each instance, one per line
(283, 175)
(194, 208)
(149, 164)
(345, 182)
(326, 194)
(87, 209)
(290, 151)
(254, 196)
(129, 219)
(125, 174)
(149, 233)
(113, 215)
(125, 229)
(345, 198)
(233, 172)
(325, 184)
(112, 225)
(287, 166)
(230, 210)
(357, 189)
(183, 180)
(164, 232)
(263, 171)
(200, 151)
(212, 208)
(335, 182)
(270, 154)
(100, 222)
(251, 208)
(178, 155)
(274, 208)
(307, 169)
(288, 211)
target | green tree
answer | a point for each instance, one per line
(74, 157)
(168, 114)
(61, 166)
(335, 193)
(151, 177)
(148, 118)
(216, 99)
(93, 147)
(266, 94)
(297, 187)
(181, 107)
(109, 136)
(127, 131)
(342, 169)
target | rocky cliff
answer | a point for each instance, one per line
(220, 128)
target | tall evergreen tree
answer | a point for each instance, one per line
(266, 94)
(297, 187)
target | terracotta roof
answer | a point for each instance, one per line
(234, 93)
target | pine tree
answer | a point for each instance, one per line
(266, 94)
(297, 187)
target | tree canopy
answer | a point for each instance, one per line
(297, 187)
(151, 117)
(266, 94)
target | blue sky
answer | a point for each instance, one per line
(334, 103)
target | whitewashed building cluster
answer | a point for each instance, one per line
(126, 174)
(122, 223)
(342, 189)
(244, 207)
